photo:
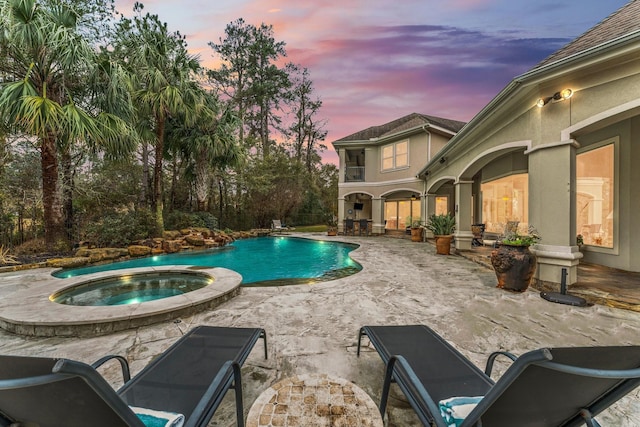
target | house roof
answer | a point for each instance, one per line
(620, 23)
(410, 121)
(620, 27)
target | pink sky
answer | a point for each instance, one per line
(373, 61)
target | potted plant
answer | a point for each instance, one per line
(332, 226)
(416, 230)
(442, 226)
(580, 241)
(513, 262)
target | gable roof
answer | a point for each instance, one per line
(410, 121)
(620, 23)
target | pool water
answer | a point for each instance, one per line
(262, 261)
(131, 289)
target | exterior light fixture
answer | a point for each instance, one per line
(558, 96)
(442, 160)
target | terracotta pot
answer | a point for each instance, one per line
(416, 234)
(514, 267)
(443, 244)
(332, 232)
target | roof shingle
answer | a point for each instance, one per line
(624, 21)
(407, 122)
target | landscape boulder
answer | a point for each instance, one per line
(70, 262)
(139, 250)
(172, 246)
(194, 239)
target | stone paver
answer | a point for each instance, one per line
(314, 400)
(312, 329)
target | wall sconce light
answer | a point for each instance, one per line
(558, 96)
(442, 160)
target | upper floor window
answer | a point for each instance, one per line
(395, 155)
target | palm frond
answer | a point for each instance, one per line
(40, 115)
(77, 123)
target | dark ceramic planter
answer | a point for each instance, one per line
(514, 267)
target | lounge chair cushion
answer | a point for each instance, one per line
(153, 418)
(455, 409)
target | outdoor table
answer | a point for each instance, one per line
(314, 400)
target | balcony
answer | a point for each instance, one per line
(354, 174)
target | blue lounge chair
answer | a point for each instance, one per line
(190, 378)
(545, 387)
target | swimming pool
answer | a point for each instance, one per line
(262, 261)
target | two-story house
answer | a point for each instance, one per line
(558, 148)
(379, 169)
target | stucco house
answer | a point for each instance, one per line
(557, 148)
(379, 169)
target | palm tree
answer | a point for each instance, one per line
(45, 63)
(163, 85)
(209, 144)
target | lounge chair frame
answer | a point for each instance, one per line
(535, 390)
(57, 392)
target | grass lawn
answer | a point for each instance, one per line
(311, 228)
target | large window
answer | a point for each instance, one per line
(442, 205)
(395, 156)
(594, 195)
(505, 200)
(399, 214)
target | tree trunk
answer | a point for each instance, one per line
(202, 182)
(158, 203)
(174, 184)
(144, 188)
(54, 234)
(67, 192)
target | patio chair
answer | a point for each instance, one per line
(478, 232)
(363, 226)
(349, 227)
(190, 378)
(276, 225)
(545, 387)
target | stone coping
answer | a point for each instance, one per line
(29, 311)
(314, 400)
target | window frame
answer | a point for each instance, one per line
(413, 204)
(394, 156)
(615, 142)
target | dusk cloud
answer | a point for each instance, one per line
(372, 61)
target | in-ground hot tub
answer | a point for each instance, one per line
(31, 311)
(132, 288)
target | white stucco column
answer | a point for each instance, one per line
(464, 213)
(429, 209)
(340, 214)
(377, 215)
(552, 211)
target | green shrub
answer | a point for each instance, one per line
(178, 220)
(32, 247)
(121, 229)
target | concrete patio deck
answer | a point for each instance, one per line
(312, 329)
